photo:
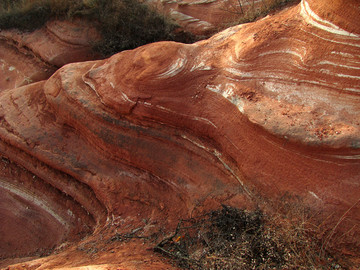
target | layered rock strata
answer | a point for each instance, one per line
(206, 17)
(166, 130)
(30, 57)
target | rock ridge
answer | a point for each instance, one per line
(167, 130)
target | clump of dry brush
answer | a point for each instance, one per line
(250, 10)
(231, 238)
(123, 24)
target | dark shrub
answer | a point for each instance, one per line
(124, 24)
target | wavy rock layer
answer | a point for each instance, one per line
(201, 17)
(158, 133)
(206, 17)
(35, 215)
(35, 56)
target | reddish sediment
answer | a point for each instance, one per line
(169, 130)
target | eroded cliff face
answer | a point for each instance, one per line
(167, 130)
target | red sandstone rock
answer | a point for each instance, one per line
(201, 17)
(155, 134)
(31, 57)
(205, 17)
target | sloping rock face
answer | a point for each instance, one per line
(206, 17)
(201, 17)
(31, 57)
(162, 132)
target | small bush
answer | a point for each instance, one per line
(128, 24)
(250, 10)
(231, 238)
(24, 16)
(124, 24)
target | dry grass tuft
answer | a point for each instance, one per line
(231, 238)
(250, 10)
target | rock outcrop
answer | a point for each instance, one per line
(30, 57)
(206, 17)
(161, 132)
(201, 17)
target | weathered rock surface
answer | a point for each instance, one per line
(205, 17)
(161, 132)
(201, 17)
(31, 57)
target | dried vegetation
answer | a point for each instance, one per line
(124, 24)
(231, 238)
(250, 10)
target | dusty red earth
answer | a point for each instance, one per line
(131, 144)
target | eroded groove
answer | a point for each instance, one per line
(67, 185)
